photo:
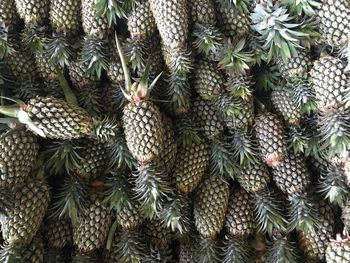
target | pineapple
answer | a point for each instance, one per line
(65, 16)
(93, 161)
(210, 206)
(239, 220)
(236, 250)
(314, 244)
(284, 105)
(296, 66)
(32, 253)
(270, 137)
(33, 12)
(206, 36)
(208, 80)
(338, 250)
(329, 81)
(206, 117)
(334, 22)
(168, 158)
(346, 216)
(24, 216)
(129, 217)
(291, 176)
(57, 119)
(233, 22)
(142, 121)
(192, 162)
(157, 235)
(8, 14)
(254, 179)
(172, 21)
(186, 253)
(19, 150)
(90, 231)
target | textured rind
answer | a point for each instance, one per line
(210, 206)
(314, 244)
(141, 22)
(335, 21)
(22, 66)
(129, 217)
(292, 176)
(239, 220)
(172, 21)
(92, 24)
(202, 12)
(65, 16)
(255, 178)
(34, 253)
(8, 13)
(270, 137)
(208, 81)
(244, 119)
(338, 251)
(91, 229)
(232, 22)
(24, 217)
(206, 118)
(33, 11)
(329, 81)
(295, 66)
(157, 234)
(284, 106)
(192, 162)
(58, 119)
(57, 234)
(144, 131)
(19, 151)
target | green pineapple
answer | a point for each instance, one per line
(314, 244)
(329, 81)
(334, 22)
(210, 206)
(92, 161)
(208, 80)
(129, 217)
(284, 105)
(206, 36)
(23, 218)
(254, 179)
(338, 250)
(239, 220)
(172, 21)
(206, 117)
(192, 162)
(296, 66)
(234, 23)
(90, 231)
(270, 137)
(19, 150)
(57, 119)
(33, 12)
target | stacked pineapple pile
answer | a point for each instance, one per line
(175, 131)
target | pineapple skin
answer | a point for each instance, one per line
(144, 131)
(58, 119)
(91, 229)
(92, 24)
(239, 220)
(338, 250)
(58, 233)
(19, 150)
(329, 81)
(8, 13)
(141, 22)
(24, 217)
(202, 12)
(335, 22)
(210, 206)
(208, 81)
(255, 178)
(33, 11)
(295, 66)
(270, 137)
(65, 16)
(129, 217)
(191, 163)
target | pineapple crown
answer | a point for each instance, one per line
(137, 91)
(112, 10)
(207, 39)
(279, 35)
(5, 47)
(240, 5)
(302, 7)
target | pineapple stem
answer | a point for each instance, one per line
(111, 235)
(68, 93)
(128, 83)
